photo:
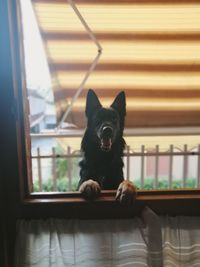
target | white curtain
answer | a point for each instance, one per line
(148, 240)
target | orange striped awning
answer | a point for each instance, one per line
(151, 50)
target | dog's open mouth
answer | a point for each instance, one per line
(106, 144)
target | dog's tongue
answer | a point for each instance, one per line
(106, 143)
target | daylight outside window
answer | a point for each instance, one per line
(149, 51)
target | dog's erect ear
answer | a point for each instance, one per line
(119, 104)
(92, 103)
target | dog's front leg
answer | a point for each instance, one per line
(126, 193)
(90, 189)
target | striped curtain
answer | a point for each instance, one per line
(90, 243)
(148, 241)
(151, 50)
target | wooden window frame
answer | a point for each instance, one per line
(175, 202)
(161, 201)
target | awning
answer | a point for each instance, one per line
(151, 50)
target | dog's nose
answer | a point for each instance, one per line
(107, 131)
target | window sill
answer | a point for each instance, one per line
(109, 196)
(73, 205)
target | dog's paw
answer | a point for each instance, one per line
(126, 193)
(90, 189)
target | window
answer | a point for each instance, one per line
(159, 81)
(155, 63)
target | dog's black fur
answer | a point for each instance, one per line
(102, 146)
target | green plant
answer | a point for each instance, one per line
(61, 163)
(62, 185)
(163, 183)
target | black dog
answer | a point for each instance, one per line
(102, 146)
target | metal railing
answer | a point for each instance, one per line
(136, 167)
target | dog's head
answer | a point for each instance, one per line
(105, 124)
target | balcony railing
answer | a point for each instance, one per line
(148, 169)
